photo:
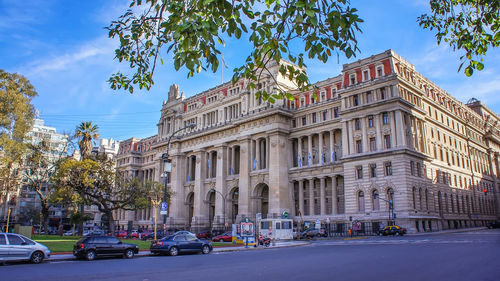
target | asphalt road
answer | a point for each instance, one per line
(457, 256)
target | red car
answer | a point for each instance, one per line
(224, 237)
(206, 234)
(121, 234)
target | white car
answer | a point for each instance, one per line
(18, 247)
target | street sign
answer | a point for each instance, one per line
(247, 228)
(164, 208)
(284, 215)
(258, 216)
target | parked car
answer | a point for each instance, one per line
(133, 234)
(181, 243)
(92, 246)
(185, 232)
(150, 236)
(495, 224)
(69, 233)
(18, 247)
(224, 237)
(205, 234)
(121, 234)
(313, 232)
(392, 230)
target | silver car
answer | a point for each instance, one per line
(18, 247)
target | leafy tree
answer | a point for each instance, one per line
(16, 119)
(87, 132)
(468, 25)
(195, 31)
(39, 168)
(94, 182)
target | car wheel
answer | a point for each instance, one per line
(129, 253)
(221, 240)
(37, 257)
(397, 233)
(90, 255)
(205, 249)
(173, 251)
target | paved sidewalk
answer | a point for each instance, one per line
(145, 253)
(448, 231)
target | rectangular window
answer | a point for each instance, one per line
(352, 78)
(294, 123)
(359, 147)
(324, 115)
(359, 172)
(366, 75)
(335, 112)
(357, 124)
(412, 168)
(323, 96)
(380, 71)
(388, 168)
(373, 170)
(355, 100)
(382, 93)
(385, 118)
(387, 141)
(304, 121)
(370, 121)
(314, 117)
(369, 97)
(373, 144)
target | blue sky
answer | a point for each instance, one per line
(63, 49)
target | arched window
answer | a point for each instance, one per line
(414, 198)
(361, 201)
(426, 200)
(420, 198)
(375, 200)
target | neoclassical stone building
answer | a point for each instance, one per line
(379, 132)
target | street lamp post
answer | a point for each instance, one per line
(223, 204)
(167, 168)
(391, 207)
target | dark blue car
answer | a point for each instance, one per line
(181, 243)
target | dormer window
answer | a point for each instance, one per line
(302, 101)
(323, 96)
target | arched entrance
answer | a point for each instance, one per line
(262, 199)
(234, 197)
(190, 205)
(211, 207)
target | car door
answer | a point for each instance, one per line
(18, 249)
(194, 244)
(101, 245)
(116, 246)
(4, 248)
(181, 242)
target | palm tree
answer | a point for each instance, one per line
(87, 133)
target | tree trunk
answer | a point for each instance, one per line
(110, 222)
(80, 225)
(45, 215)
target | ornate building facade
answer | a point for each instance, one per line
(377, 143)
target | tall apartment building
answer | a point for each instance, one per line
(377, 143)
(58, 144)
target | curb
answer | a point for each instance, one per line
(447, 231)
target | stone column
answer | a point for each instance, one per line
(200, 208)
(379, 132)
(220, 182)
(291, 192)
(279, 199)
(299, 152)
(257, 152)
(311, 197)
(268, 151)
(177, 179)
(364, 135)
(322, 196)
(394, 140)
(345, 140)
(244, 177)
(309, 150)
(332, 146)
(301, 197)
(402, 129)
(321, 160)
(334, 195)
(233, 160)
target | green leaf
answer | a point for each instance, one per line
(468, 71)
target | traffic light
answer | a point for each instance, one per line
(485, 192)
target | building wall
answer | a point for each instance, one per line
(313, 157)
